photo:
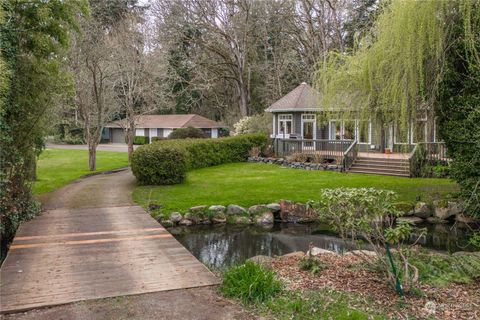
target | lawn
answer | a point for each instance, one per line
(247, 184)
(56, 168)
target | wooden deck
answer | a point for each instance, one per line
(68, 255)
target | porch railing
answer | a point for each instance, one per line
(425, 154)
(325, 149)
(350, 155)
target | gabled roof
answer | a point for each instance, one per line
(171, 121)
(302, 98)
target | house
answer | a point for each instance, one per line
(301, 124)
(161, 126)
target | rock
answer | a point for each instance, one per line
(296, 212)
(365, 254)
(455, 208)
(405, 208)
(412, 220)
(219, 217)
(242, 220)
(264, 218)
(176, 217)
(217, 209)
(167, 223)
(466, 219)
(159, 218)
(435, 220)
(233, 209)
(442, 210)
(298, 254)
(264, 261)
(422, 210)
(274, 207)
(258, 210)
(315, 251)
(185, 222)
(198, 209)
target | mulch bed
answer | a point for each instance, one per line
(343, 273)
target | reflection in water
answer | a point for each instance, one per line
(225, 245)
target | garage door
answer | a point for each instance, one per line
(118, 136)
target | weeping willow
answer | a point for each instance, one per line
(394, 73)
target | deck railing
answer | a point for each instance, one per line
(350, 155)
(427, 153)
(335, 150)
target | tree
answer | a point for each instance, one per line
(34, 41)
(134, 79)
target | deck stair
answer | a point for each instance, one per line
(382, 166)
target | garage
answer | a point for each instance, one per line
(118, 135)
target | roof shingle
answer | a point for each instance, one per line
(302, 98)
(171, 121)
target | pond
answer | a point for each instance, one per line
(221, 246)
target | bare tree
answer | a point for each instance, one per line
(135, 84)
(90, 63)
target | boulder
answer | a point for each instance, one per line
(198, 209)
(258, 210)
(167, 223)
(219, 217)
(242, 220)
(296, 212)
(365, 254)
(435, 220)
(274, 207)
(264, 261)
(264, 218)
(185, 222)
(233, 209)
(299, 254)
(412, 220)
(442, 210)
(315, 251)
(159, 218)
(197, 214)
(466, 219)
(176, 217)
(455, 207)
(422, 210)
(217, 209)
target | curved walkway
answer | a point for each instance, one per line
(92, 243)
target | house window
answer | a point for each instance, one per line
(335, 132)
(285, 124)
(308, 126)
(363, 134)
(139, 132)
(419, 130)
(349, 130)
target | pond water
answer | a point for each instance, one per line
(220, 246)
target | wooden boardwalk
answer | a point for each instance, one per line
(68, 255)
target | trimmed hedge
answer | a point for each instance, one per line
(158, 165)
(185, 133)
(196, 153)
(140, 140)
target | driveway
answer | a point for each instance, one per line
(116, 147)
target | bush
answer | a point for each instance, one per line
(140, 140)
(155, 164)
(250, 282)
(260, 123)
(185, 133)
(191, 153)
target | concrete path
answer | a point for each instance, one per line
(93, 243)
(117, 147)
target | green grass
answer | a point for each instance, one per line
(56, 168)
(319, 304)
(247, 184)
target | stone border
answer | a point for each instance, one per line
(298, 165)
(440, 211)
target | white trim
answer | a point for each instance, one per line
(214, 133)
(166, 132)
(308, 119)
(409, 129)
(285, 118)
(140, 132)
(356, 132)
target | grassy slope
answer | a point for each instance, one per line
(57, 168)
(248, 183)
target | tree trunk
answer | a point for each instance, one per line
(243, 98)
(130, 137)
(92, 157)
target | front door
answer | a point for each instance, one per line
(308, 133)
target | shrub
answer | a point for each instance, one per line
(140, 140)
(185, 133)
(190, 154)
(250, 282)
(155, 164)
(311, 264)
(158, 139)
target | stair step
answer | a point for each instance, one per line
(380, 173)
(383, 160)
(380, 165)
(379, 168)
